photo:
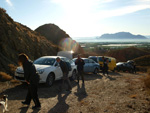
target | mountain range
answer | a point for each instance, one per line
(121, 35)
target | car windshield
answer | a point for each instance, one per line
(93, 58)
(45, 61)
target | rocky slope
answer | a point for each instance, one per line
(59, 37)
(16, 38)
(127, 53)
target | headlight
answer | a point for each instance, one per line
(40, 71)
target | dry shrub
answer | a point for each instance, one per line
(12, 67)
(5, 77)
(133, 96)
(14, 81)
(83, 103)
(3, 9)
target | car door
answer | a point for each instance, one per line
(91, 66)
(86, 65)
(58, 71)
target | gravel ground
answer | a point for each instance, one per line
(117, 93)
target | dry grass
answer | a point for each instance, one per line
(15, 81)
(12, 67)
(133, 96)
(5, 77)
(147, 80)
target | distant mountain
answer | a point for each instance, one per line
(147, 36)
(121, 35)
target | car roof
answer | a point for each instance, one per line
(101, 56)
(52, 57)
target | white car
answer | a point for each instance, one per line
(48, 69)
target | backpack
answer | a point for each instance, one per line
(68, 66)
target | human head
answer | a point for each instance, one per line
(22, 58)
(79, 57)
(103, 57)
(58, 59)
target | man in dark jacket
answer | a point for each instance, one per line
(80, 65)
(31, 78)
(105, 65)
(65, 71)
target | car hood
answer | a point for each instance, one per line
(39, 67)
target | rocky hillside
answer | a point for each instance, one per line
(127, 53)
(59, 37)
(16, 38)
(143, 60)
(52, 32)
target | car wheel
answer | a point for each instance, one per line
(50, 79)
(74, 75)
(95, 71)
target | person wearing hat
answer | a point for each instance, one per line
(32, 79)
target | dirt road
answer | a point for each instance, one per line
(119, 93)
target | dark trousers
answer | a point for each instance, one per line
(67, 80)
(80, 73)
(32, 94)
(105, 70)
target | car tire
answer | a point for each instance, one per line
(95, 71)
(74, 75)
(50, 79)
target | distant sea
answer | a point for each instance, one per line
(94, 39)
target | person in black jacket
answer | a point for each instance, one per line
(31, 78)
(80, 63)
(65, 71)
(105, 65)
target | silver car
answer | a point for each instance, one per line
(90, 65)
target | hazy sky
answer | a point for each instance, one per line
(83, 18)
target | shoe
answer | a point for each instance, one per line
(36, 107)
(25, 103)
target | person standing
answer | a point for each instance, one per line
(80, 65)
(105, 65)
(32, 80)
(65, 71)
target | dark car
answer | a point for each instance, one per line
(125, 66)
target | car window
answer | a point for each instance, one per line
(74, 59)
(71, 62)
(93, 58)
(91, 61)
(86, 61)
(100, 59)
(45, 61)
